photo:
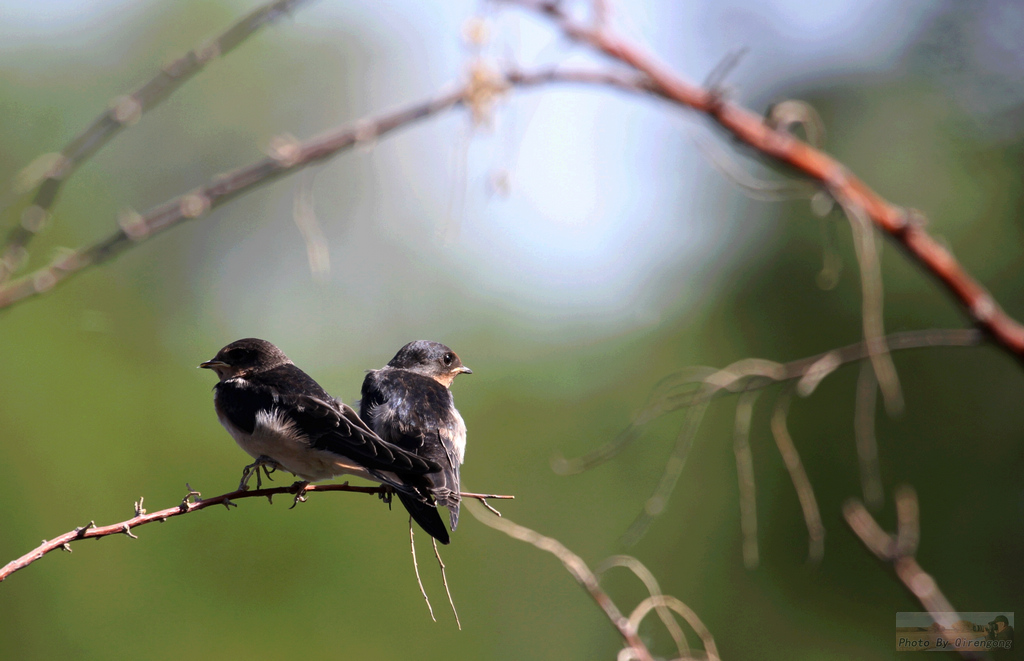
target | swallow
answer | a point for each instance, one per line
(408, 403)
(283, 419)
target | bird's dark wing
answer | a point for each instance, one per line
(335, 427)
(331, 425)
(417, 414)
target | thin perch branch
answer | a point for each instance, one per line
(122, 113)
(191, 503)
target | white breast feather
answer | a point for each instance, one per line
(276, 436)
(460, 436)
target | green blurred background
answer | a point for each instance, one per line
(574, 252)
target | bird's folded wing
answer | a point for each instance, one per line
(431, 432)
(335, 427)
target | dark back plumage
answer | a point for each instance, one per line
(407, 403)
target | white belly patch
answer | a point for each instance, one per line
(276, 436)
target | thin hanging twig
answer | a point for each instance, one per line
(444, 579)
(576, 567)
(416, 568)
(798, 475)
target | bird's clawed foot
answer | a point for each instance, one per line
(386, 493)
(266, 463)
(300, 492)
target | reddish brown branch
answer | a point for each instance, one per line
(905, 226)
(123, 112)
(191, 503)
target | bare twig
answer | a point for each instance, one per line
(653, 590)
(416, 568)
(444, 579)
(191, 503)
(785, 114)
(905, 226)
(317, 252)
(745, 478)
(684, 388)
(899, 551)
(869, 261)
(864, 433)
(286, 157)
(654, 601)
(576, 567)
(756, 189)
(831, 261)
(715, 80)
(695, 387)
(123, 112)
(798, 475)
(625, 81)
(658, 500)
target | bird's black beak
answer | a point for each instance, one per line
(211, 364)
(462, 369)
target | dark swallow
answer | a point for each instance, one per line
(408, 403)
(284, 419)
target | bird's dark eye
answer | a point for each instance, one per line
(448, 358)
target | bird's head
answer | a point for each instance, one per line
(245, 357)
(431, 359)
